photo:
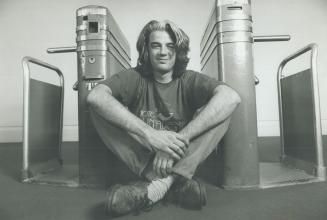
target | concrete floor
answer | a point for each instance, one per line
(37, 202)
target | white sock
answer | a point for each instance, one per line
(158, 188)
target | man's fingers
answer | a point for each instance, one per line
(170, 164)
(178, 137)
(158, 167)
(163, 168)
(155, 163)
(181, 144)
(177, 150)
(184, 148)
(163, 163)
(183, 139)
(173, 154)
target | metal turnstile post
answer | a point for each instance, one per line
(102, 51)
(226, 54)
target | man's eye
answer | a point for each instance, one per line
(155, 45)
(171, 46)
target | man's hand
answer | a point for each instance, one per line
(162, 164)
(167, 141)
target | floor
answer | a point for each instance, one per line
(38, 202)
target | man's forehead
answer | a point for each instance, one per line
(160, 36)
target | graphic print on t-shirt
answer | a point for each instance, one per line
(160, 122)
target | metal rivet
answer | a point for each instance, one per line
(91, 59)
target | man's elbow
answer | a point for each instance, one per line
(90, 99)
(96, 95)
(236, 97)
(231, 95)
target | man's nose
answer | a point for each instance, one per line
(163, 50)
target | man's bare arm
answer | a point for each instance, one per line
(219, 108)
(101, 101)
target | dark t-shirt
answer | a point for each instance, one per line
(168, 106)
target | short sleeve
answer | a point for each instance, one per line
(124, 86)
(199, 88)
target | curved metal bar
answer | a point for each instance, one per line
(313, 63)
(26, 70)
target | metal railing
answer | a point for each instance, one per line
(315, 93)
(26, 70)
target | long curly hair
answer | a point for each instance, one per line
(180, 39)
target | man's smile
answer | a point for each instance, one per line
(163, 61)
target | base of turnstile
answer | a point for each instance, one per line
(271, 175)
(278, 174)
(63, 175)
(274, 174)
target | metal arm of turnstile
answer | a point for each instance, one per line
(62, 49)
(26, 60)
(313, 64)
(269, 38)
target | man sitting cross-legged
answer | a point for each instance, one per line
(161, 120)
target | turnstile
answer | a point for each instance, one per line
(102, 50)
(226, 54)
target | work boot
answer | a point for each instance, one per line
(124, 199)
(188, 193)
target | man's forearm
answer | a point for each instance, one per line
(219, 108)
(102, 102)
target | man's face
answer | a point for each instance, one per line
(162, 52)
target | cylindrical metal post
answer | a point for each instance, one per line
(102, 50)
(227, 49)
(92, 66)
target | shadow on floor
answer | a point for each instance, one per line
(97, 212)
